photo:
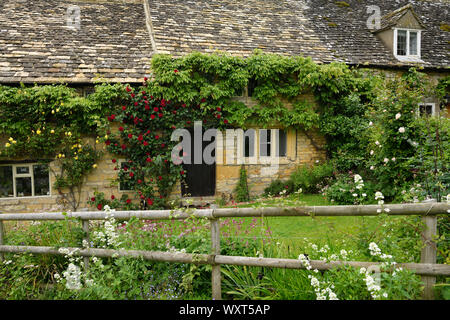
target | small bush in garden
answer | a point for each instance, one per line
(279, 188)
(312, 179)
(349, 189)
(242, 191)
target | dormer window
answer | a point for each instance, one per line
(406, 43)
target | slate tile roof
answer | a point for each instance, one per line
(325, 30)
(37, 46)
(117, 38)
(344, 28)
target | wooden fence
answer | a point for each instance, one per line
(427, 268)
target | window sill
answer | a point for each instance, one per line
(28, 197)
(415, 59)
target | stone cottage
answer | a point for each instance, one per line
(81, 42)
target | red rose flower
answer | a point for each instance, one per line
(99, 206)
(107, 142)
(225, 121)
(152, 116)
(160, 115)
(150, 202)
(184, 105)
(121, 129)
(203, 100)
(114, 160)
(149, 160)
(123, 147)
(156, 109)
(176, 71)
(218, 116)
(128, 89)
(124, 108)
(141, 137)
(145, 78)
(132, 95)
(142, 197)
(131, 174)
(182, 172)
(130, 136)
(156, 137)
(159, 177)
(163, 145)
(128, 201)
(139, 181)
(219, 109)
(113, 197)
(92, 199)
(145, 143)
(136, 104)
(147, 107)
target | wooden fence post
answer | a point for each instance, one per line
(428, 254)
(2, 235)
(215, 250)
(86, 238)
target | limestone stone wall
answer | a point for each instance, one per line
(300, 150)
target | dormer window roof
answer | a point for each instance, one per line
(401, 31)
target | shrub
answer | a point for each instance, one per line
(279, 187)
(312, 179)
(350, 189)
(242, 191)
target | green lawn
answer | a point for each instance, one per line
(291, 230)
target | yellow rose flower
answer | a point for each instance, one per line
(94, 166)
(7, 145)
(38, 131)
(52, 131)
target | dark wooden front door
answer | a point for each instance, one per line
(200, 179)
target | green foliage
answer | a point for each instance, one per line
(280, 188)
(53, 122)
(312, 179)
(242, 191)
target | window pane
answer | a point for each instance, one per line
(413, 43)
(41, 180)
(22, 170)
(23, 187)
(249, 143)
(282, 143)
(264, 143)
(401, 42)
(426, 110)
(6, 182)
(124, 185)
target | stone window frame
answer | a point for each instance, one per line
(120, 161)
(26, 175)
(408, 56)
(434, 111)
(257, 158)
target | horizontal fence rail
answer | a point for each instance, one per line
(421, 209)
(428, 268)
